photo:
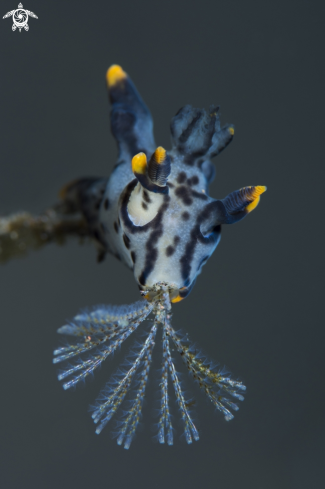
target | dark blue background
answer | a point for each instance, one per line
(258, 307)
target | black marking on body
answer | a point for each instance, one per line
(170, 250)
(181, 177)
(195, 237)
(194, 180)
(125, 215)
(127, 241)
(144, 206)
(106, 204)
(133, 256)
(116, 226)
(183, 193)
(170, 185)
(199, 195)
(207, 143)
(188, 131)
(146, 197)
(185, 216)
(152, 251)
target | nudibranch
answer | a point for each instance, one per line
(154, 214)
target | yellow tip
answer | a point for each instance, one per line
(139, 163)
(114, 75)
(177, 299)
(160, 154)
(252, 205)
(231, 130)
(260, 189)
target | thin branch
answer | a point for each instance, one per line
(22, 232)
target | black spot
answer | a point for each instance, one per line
(146, 197)
(97, 205)
(185, 216)
(144, 206)
(133, 256)
(170, 250)
(106, 204)
(176, 240)
(183, 193)
(116, 227)
(126, 241)
(193, 180)
(181, 177)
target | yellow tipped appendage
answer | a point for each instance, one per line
(139, 163)
(160, 154)
(231, 130)
(114, 75)
(260, 189)
(178, 298)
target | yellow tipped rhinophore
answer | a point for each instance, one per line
(160, 154)
(114, 75)
(260, 189)
(231, 130)
(139, 163)
(159, 167)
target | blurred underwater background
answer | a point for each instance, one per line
(257, 306)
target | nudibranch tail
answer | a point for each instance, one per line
(113, 325)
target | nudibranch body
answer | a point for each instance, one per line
(154, 213)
